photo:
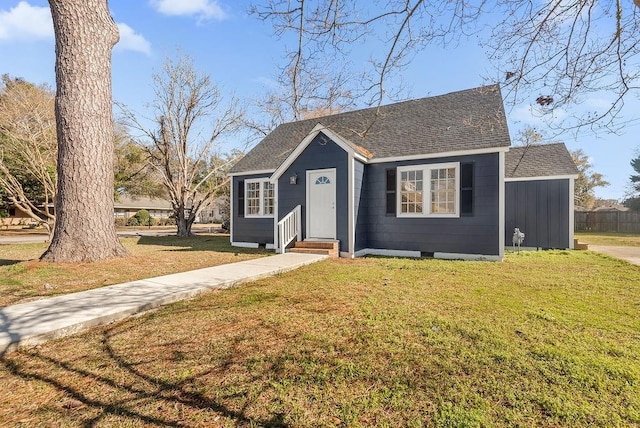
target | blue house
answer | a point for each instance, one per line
(428, 177)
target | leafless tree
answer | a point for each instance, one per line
(28, 149)
(305, 88)
(552, 54)
(85, 230)
(184, 141)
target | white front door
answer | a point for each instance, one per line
(321, 204)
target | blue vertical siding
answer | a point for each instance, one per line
(540, 209)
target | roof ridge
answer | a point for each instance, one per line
(491, 87)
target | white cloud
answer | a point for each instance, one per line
(203, 9)
(132, 41)
(26, 22)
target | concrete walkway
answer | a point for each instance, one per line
(41, 320)
(630, 254)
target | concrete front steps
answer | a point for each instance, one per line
(580, 245)
(327, 248)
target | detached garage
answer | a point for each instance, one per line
(539, 196)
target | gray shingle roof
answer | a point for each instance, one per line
(539, 161)
(463, 120)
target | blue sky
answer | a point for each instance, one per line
(242, 56)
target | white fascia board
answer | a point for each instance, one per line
(340, 141)
(543, 178)
(502, 206)
(440, 155)
(276, 216)
(262, 171)
(351, 204)
(572, 209)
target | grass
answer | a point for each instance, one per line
(614, 239)
(542, 339)
(24, 278)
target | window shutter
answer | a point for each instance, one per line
(466, 188)
(391, 192)
(241, 198)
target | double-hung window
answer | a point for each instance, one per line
(259, 198)
(428, 190)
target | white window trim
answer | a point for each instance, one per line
(261, 213)
(426, 190)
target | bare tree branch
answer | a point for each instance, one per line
(555, 53)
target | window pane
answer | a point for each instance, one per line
(268, 198)
(411, 186)
(252, 196)
(443, 190)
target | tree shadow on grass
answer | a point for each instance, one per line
(125, 394)
(218, 243)
(5, 262)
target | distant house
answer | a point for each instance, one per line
(159, 208)
(12, 216)
(127, 206)
(421, 177)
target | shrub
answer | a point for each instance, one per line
(133, 221)
(143, 217)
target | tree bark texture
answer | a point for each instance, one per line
(85, 230)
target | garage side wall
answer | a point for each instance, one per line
(540, 209)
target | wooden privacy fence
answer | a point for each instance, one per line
(607, 221)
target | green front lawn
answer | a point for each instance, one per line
(613, 239)
(24, 278)
(542, 339)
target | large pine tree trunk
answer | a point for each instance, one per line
(85, 35)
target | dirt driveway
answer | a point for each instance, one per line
(630, 254)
